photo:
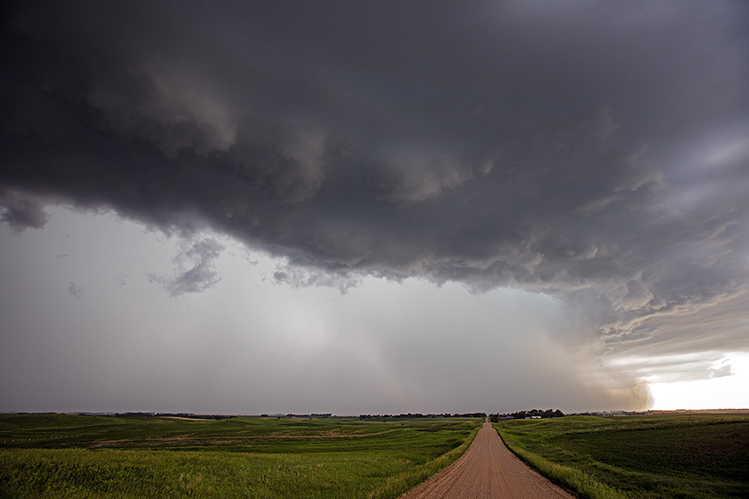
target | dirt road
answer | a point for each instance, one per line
(487, 470)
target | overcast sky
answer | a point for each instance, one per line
(361, 207)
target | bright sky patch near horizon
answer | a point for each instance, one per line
(725, 391)
(412, 207)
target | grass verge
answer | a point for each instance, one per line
(396, 485)
(570, 478)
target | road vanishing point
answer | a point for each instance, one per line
(487, 470)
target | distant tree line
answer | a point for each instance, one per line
(533, 413)
(417, 415)
(327, 415)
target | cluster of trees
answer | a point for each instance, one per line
(533, 413)
(419, 415)
(470, 415)
(313, 415)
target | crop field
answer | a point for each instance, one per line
(65, 456)
(678, 456)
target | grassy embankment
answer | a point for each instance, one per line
(679, 456)
(56, 456)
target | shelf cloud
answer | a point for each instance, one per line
(594, 152)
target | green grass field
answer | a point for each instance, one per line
(679, 456)
(63, 456)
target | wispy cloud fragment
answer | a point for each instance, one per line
(196, 269)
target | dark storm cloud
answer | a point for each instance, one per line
(595, 151)
(21, 212)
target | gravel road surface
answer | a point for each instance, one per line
(487, 470)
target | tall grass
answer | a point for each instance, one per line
(157, 473)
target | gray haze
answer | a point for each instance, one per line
(593, 157)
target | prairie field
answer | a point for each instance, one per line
(66, 456)
(676, 456)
